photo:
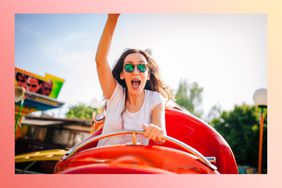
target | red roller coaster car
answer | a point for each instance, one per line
(191, 147)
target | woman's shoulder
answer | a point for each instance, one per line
(152, 93)
(154, 96)
(117, 95)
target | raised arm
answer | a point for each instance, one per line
(106, 79)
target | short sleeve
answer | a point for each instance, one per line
(155, 99)
(117, 95)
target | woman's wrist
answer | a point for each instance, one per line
(114, 16)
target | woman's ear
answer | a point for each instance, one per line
(121, 76)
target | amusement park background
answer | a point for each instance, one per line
(212, 64)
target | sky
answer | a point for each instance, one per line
(225, 53)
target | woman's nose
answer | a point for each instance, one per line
(135, 71)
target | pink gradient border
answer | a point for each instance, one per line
(10, 8)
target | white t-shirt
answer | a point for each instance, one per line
(128, 121)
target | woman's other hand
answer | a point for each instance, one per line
(154, 132)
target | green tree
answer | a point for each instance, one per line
(81, 111)
(240, 128)
(214, 112)
(189, 96)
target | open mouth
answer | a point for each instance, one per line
(135, 84)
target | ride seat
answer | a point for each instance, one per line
(201, 136)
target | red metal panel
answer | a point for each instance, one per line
(133, 159)
(201, 136)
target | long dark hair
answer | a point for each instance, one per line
(155, 82)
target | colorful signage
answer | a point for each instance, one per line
(48, 85)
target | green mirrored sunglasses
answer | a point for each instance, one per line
(130, 67)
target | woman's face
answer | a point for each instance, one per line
(135, 80)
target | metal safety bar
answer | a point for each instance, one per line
(184, 146)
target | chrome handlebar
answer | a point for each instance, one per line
(184, 146)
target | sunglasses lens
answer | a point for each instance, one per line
(129, 67)
(142, 67)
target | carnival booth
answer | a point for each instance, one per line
(34, 92)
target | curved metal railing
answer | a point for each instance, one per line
(184, 146)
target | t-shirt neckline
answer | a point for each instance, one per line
(145, 98)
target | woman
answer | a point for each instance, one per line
(133, 91)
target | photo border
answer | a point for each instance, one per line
(7, 62)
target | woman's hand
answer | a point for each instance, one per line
(113, 15)
(154, 132)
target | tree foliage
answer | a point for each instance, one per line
(80, 111)
(214, 112)
(189, 96)
(240, 128)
